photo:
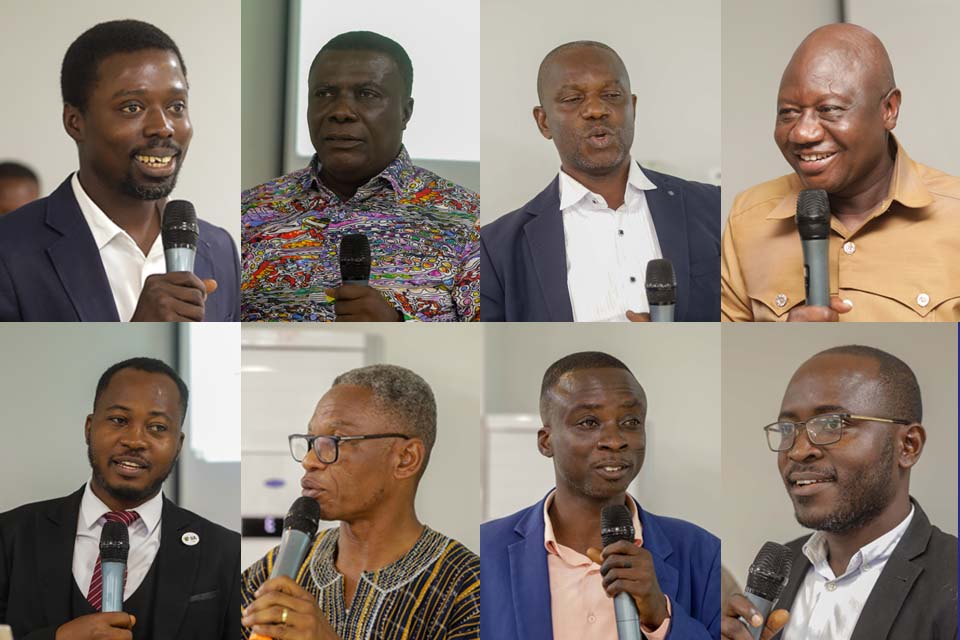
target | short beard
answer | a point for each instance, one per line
(128, 494)
(866, 497)
(149, 191)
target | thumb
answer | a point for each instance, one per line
(633, 316)
(210, 285)
(594, 554)
(775, 621)
(839, 305)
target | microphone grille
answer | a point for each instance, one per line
(661, 282)
(616, 524)
(114, 542)
(179, 227)
(813, 214)
(354, 257)
(769, 572)
(304, 515)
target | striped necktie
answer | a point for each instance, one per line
(95, 593)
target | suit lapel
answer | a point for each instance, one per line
(56, 536)
(177, 565)
(203, 265)
(529, 578)
(658, 544)
(76, 259)
(544, 236)
(670, 221)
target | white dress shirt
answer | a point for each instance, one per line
(124, 262)
(144, 540)
(607, 250)
(827, 607)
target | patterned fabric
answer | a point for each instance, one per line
(95, 594)
(424, 242)
(431, 593)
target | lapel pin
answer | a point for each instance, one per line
(190, 538)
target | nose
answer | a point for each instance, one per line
(594, 108)
(807, 129)
(802, 448)
(158, 124)
(611, 438)
(343, 108)
(135, 437)
(311, 462)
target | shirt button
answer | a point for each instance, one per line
(831, 586)
(780, 300)
(591, 618)
(849, 248)
(621, 231)
(923, 299)
(632, 279)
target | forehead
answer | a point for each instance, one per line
(821, 72)
(156, 391)
(148, 70)
(583, 65)
(354, 66)
(346, 404)
(846, 381)
(605, 386)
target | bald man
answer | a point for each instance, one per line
(894, 245)
(579, 250)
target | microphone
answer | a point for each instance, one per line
(355, 259)
(180, 232)
(299, 529)
(766, 578)
(114, 548)
(616, 524)
(661, 285)
(813, 223)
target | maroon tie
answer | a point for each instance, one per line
(95, 594)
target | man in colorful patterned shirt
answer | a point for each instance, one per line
(422, 229)
(382, 573)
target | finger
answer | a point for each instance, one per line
(269, 607)
(184, 279)
(812, 314)
(281, 584)
(353, 292)
(595, 555)
(210, 285)
(271, 631)
(622, 547)
(839, 305)
(733, 629)
(186, 311)
(634, 316)
(118, 620)
(739, 606)
(618, 561)
(775, 621)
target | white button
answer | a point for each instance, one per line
(780, 300)
(669, 193)
(591, 618)
(923, 299)
(849, 248)
(831, 586)
(848, 302)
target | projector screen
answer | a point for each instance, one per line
(442, 38)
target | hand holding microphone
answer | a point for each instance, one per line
(356, 300)
(748, 616)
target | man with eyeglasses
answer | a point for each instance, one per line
(382, 573)
(848, 434)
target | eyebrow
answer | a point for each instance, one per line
(121, 407)
(140, 92)
(819, 410)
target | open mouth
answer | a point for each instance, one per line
(129, 467)
(159, 166)
(612, 471)
(600, 139)
(809, 485)
(812, 162)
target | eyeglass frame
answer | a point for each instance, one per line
(311, 439)
(844, 418)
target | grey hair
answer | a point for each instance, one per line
(401, 392)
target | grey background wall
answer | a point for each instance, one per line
(671, 51)
(758, 362)
(35, 35)
(760, 37)
(678, 367)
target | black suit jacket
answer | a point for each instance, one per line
(523, 258)
(50, 267)
(198, 587)
(916, 594)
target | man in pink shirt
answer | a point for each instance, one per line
(545, 572)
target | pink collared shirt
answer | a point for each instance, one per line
(580, 607)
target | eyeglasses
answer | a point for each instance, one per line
(327, 448)
(821, 430)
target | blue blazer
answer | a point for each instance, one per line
(523, 259)
(50, 268)
(515, 585)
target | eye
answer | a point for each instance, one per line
(158, 428)
(588, 423)
(368, 93)
(323, 92)
(178, 107)
(118, 420)
(612, 94)
(632, 423)
(570, 99)
(131, 108)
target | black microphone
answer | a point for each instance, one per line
(813, 223)
(661, 285)
(114, 548)
(766, 578)
(180, 232)
(616, 524)
(355, 259)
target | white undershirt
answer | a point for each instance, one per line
(144, 540)
(827, 607)
(124, 262)
(607, 251)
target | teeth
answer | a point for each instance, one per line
(813, 158)
(129, 465)
(612, 468)
(155, 160)
(803, 483)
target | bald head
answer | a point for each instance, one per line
(558, 55)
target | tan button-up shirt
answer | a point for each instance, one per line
(902, 265)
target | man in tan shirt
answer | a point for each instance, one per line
(895, 224)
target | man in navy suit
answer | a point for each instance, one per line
(578, 251)
(544, 573)
(92, 249)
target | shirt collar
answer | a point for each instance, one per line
(906, 187)
(394, 174)
(555, 548)
(101, 226)
(572, 191)
(93, 508)
(872, 553)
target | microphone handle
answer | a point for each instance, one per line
(358, 283)
(762, 605)
(816, 276)
(180, 258)
(628, 620)
(661, 313)
(293, 549)
(112, 574)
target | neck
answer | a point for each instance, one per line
(576, 518)
(612, 185)
(117, 504)
(139, 218)
(842, 546)
(371, 543)
(855, 208)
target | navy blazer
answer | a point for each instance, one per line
(515, 584)
(197, 595)
(523, 259)
(50, 267)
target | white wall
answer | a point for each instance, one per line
(758, 361)
(35, 35)
(671, 51)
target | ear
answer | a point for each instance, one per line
(407, 112)
(543, 441)
(890, 108)
(633, 101)
(411, 459)
(180, 444)
(86, 429)
(911, 445)
(540, 116)
(73, 122)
